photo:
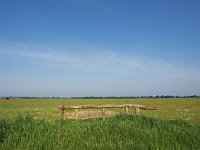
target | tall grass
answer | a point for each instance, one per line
(120, 132)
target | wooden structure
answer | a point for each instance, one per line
(102, 107)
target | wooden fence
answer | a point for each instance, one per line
(102, 107)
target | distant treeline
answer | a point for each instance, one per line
(27, 97)
(131, 97)
(103, 97)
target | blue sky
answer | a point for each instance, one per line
(99, 47)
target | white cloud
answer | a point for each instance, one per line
(131, 72)
(101, 61)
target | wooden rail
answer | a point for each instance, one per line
(102, 107)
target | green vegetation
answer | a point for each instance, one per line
(175, 125)
(186, 109)
(120, 132)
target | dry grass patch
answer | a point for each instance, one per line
(88, 114)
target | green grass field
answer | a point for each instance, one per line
(168, 109)
(36, 124)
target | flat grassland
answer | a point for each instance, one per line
(35, 124)
(187, 109)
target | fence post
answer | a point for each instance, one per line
(76, 113)
(126, 110)
(103, 113)
(137, 110)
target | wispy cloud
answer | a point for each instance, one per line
(126, 69)
(101, 61)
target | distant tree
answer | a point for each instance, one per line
(157, 96)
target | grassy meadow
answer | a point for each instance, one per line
(36, 124)
(168, 109)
